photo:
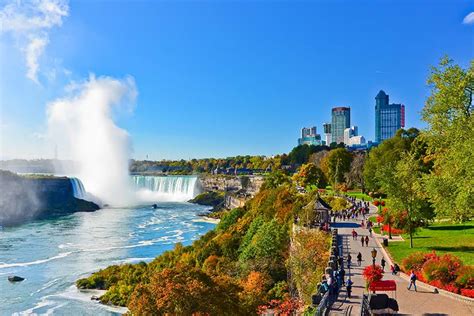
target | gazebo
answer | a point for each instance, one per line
(322, 209)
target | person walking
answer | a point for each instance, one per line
(359, 259)
(367, 241)
(349, 259)
(382, 263)
(370, 231)
(349, 287)
(362, 240)
(354, 234)
(412, 280)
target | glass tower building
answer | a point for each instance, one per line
(341, 119)
(389, 118)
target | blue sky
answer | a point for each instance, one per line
(217, 79)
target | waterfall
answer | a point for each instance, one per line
(167, 188)
(78, 188)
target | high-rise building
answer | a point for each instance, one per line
(309, 136)
(327, 133)
(388, 117)
(341, 119)
(350, 132)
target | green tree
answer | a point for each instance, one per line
(338, 163)
(382, 160)
(450, 138)
(408, 201)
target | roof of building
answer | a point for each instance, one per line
(381, 95)
(341, 108)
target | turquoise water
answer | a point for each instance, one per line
(53, 254)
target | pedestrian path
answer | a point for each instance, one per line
(424, 301)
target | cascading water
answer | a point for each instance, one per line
(168, 188)
(78, 188)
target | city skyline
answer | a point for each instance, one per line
(211, 83)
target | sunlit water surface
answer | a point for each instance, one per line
(52, 254)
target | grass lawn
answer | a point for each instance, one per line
(456, 239)
(359, 195)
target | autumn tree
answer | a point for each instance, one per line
(308, 175)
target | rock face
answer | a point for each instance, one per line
(238, 189)
(26, 198)
(251, 184)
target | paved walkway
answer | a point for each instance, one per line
(410, 302)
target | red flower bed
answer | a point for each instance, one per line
(376, 203)
(394, 230)
(468, 292)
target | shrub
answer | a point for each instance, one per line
(465, 278)
(442, 268)
(413, 262)
(394, 230)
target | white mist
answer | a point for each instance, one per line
(82, 126)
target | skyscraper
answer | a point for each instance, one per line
(327, 133)
(388, 117)
(309, 136)
(341, 119)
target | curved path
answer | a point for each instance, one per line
(422, 302)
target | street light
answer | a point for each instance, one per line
(374, 254)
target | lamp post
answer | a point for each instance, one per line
(374, 254)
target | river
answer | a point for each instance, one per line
(52, 254)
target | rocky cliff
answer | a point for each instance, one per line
(251, 184)
(24, 198)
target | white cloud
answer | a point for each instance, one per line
(33, 51)
(30, 22)
(469, 19)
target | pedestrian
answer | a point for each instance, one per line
(392, 268)
(362, 240)
(396, 269)
(349, 259)
(412, 280)
(359, 258)
(340, 261)
(382, 263)
(367, 241)
(370, 231)
(354, 234)
(349, 287)
(362, 224)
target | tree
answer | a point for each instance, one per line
(316, 158)
(450, 138)
(338, 163)
(309, 174)
(300, 154)
(407, 197)
(381, 160)
(355, 176)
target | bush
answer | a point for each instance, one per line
(442, 268)
(465, 278)
(413, 262)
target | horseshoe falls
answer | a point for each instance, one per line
(166, 188)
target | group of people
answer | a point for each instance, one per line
(357, 210)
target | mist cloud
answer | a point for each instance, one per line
(82, 126)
